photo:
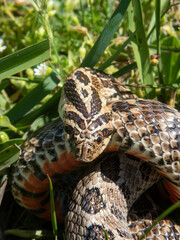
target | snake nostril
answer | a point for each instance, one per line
(77, 150)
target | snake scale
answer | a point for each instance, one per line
(94, 154)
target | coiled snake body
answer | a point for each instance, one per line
(104, 121)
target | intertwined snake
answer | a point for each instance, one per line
(106, 130)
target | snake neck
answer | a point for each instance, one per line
(150, 130)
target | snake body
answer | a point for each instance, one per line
(100, 116)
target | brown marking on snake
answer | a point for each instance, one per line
(74, 97)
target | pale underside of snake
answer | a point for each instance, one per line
(100, 116)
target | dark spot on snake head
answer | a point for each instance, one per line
(93, 126)
(72, 133)
(85, 153)
(68, 129)
(105, 83)
(99, 139)
(77, 151)
(71, 93)
(95, 102)
(73, 116)
(83, 78)
(107, 132)
(84, 93)
(120, 106)
(102, 120)
(76, 131)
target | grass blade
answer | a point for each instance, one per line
(162, 216)
(30, 100)
(17, 141)
(165, 4)
(4, 122)
(140, 46)
(53, 212)
(8, 156)
(106, 236)
(170, 60)
(158, 19)
(4, 85)
(51, 104)
(167, 48)
(21, 60)
(114, 56)
(125, 69)
(106, 35)
(2, 190)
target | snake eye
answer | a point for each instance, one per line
(68, 129)
(77, 150)
(99, 139)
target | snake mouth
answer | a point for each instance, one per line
(88, 151)
(84, 152)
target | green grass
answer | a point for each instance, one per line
(67, 36)
(161, 217)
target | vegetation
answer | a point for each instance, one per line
(42, 41)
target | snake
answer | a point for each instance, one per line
(103, 154)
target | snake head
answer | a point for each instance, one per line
(85, 111)
(88, 141)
